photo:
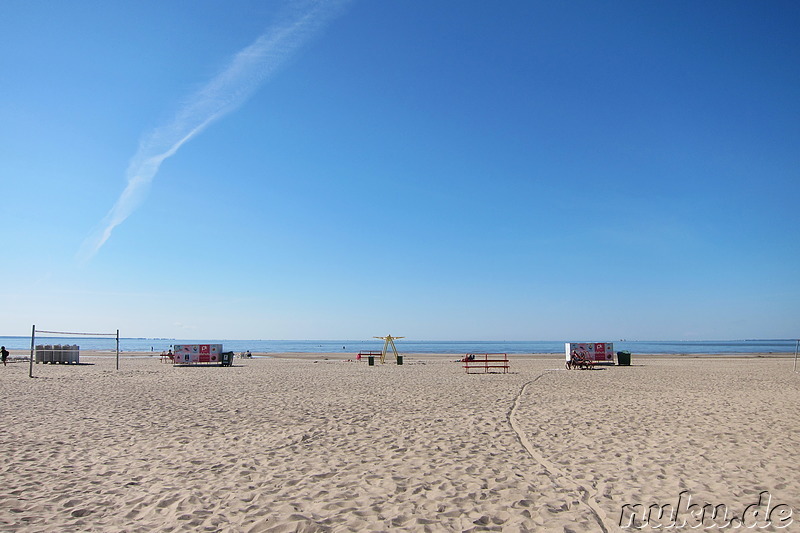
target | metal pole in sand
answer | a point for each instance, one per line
(33, 335)
(796, 349)
(117, 349)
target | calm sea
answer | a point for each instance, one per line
(412, 346)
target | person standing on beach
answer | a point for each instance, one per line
(4, 354)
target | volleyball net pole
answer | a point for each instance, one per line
(33, 335)
(34, 331)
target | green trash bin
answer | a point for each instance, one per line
(624, 358)
(226, 358)
(371, 360)
(399, 359)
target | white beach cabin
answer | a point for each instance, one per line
(596, 352)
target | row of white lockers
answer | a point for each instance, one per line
(58, 353)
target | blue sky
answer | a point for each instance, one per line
(438, 170)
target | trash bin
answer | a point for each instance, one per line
(399, 359)
(371, 360)
(226, 358)
(624, 358)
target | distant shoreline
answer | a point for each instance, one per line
(410, 346)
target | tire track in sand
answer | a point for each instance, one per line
(587, 496)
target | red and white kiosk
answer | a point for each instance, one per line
(192, 354)
(594, 352)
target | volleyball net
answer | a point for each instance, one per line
(70, 350)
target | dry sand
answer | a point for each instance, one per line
(305, 443)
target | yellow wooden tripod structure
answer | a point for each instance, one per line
(387, 341)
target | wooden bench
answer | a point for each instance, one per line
(486, 362)
(368, 353)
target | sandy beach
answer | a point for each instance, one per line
(313, 442)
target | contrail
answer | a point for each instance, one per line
(246, 71)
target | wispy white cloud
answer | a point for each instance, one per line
(246, 71)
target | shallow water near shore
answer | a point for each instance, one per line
(413, 346)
